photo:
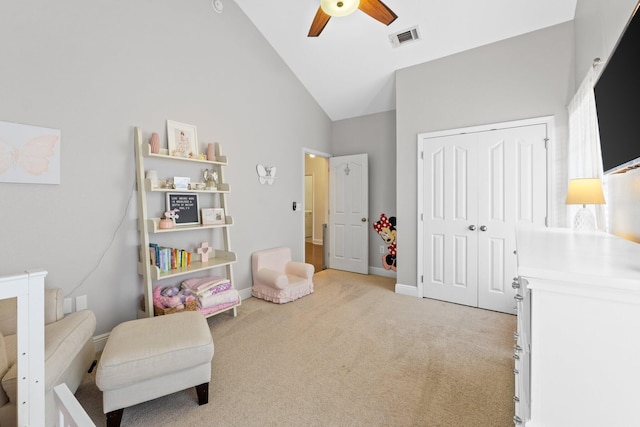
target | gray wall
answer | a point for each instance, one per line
(374, 134)
(97, 69)
(598, 27)
(522, 77)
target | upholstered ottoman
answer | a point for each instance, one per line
(148, 358)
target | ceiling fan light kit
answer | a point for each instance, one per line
(328, 8)
(339, 7)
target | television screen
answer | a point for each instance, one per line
(617, 93)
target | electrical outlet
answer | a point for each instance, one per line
(381, 249)
(81, 302)
(67, 305)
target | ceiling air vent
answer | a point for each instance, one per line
(405, 36)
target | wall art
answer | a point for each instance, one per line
(182, 140)
(29, 154)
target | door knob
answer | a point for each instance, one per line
(483, 228)
(472, 227)
(363, 219)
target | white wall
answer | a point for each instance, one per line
(374, 134)
(598, 26)
(527, 76)
(97, 69)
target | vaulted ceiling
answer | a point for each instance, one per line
(349, 69)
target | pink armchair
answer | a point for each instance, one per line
(278, 279)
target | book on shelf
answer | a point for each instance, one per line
(168, 258)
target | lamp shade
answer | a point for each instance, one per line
(585, 191)
(339, 7)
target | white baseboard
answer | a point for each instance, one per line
(244, 293)
(377, 271)
(408, 290)
(99, 341)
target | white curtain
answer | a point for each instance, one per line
(585, 157)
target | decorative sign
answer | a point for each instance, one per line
(187, 206)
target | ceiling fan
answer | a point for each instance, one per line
(328, 8)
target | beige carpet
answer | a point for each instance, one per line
(354, 353)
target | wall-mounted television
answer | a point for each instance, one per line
(617, 93)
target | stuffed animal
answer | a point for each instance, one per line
(386, 228)
(166, 297)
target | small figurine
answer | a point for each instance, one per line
(210, 178)
(204, 250)
(172, 215)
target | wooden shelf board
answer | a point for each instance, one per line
(146, 151)
(154, 227)
(224, 258)
(223, 310)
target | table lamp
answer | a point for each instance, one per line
(585, 191)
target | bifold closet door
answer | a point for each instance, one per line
(512, 190)
(451, 217)
(476, 188)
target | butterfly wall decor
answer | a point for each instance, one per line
(266, 174)
(29, 154)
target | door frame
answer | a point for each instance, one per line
(551, 174)
(306, 151)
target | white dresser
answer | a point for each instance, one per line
(577, 351)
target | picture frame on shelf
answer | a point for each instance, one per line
(182, 140)
(187, 205)
(213, 216)
(181, 182)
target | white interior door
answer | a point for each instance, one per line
(450, 218)
(513, 190)
(349, 213)
(476, 187)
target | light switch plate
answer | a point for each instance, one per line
(81, 302)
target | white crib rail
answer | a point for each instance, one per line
(28, 288)
(70, 412)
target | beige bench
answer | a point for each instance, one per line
(148, 358)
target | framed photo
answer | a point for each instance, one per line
(213, 216)
(181, 182)
(186, 205)
(182, 140)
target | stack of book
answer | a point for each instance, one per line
(168, 258)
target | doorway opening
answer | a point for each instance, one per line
(316, 202)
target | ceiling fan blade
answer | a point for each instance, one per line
(318, 23)
(378, 11)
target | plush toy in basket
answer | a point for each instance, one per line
(172, 299)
